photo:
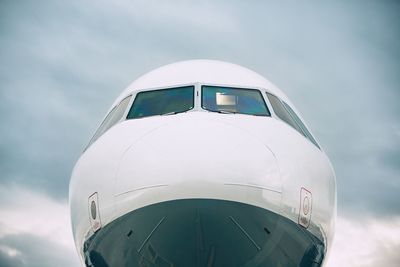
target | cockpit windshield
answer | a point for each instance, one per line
(233, 100)
(162, 102)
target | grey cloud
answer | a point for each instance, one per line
(387, 256)
(10, 261)
(391, 158)
(33, 251)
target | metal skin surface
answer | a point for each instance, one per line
(253, 160)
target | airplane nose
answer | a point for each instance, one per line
(199, 159)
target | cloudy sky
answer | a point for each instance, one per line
(62, 64)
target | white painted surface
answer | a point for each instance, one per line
(199, 154)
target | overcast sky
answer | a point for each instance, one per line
(62, 64)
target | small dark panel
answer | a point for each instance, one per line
(129, 233)
(93, 210)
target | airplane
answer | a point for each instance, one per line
(203, 163)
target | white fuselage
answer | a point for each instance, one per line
(255, 160)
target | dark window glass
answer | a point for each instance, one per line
(301, 124)
(111, 119)
(161, 102)
(282, 113)
(233, 100)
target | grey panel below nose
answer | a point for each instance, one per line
(203, 232)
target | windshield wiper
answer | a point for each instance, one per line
(222, 111)
(172, 113)
(168, 113)
(259, 115)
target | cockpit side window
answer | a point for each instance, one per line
(162, 102)
(282, 113)
(287, 114)
(113, 117)
(300, 123)
(233, 100)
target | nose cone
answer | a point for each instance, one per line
(197, 152)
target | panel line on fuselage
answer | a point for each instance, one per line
(140, 188)
(256, 186)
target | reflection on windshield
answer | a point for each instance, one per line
(233, 100)
(162, 102)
